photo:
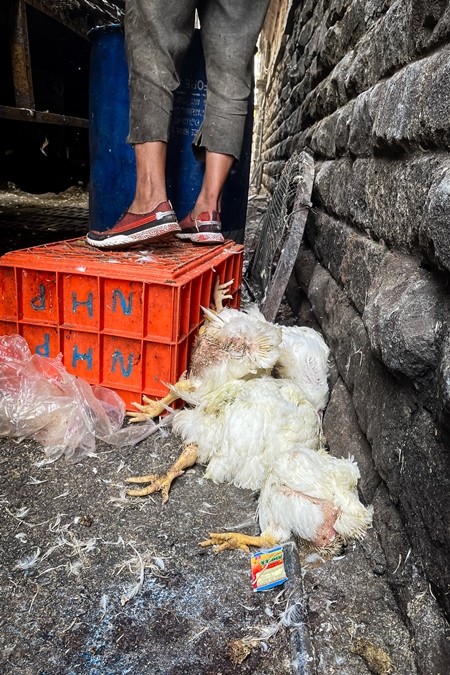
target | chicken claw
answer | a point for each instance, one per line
(156, 408)
(151, 410)
(235, 540)
(163, 482)
(220, 293)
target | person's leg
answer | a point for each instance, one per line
(217, 169)
(229, 30)
(157, 34)
(203, 225)
(150, 176)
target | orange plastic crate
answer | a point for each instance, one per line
(126, 320)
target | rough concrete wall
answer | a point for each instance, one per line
(365, 84)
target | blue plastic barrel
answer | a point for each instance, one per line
(113, 167)
(113, 171)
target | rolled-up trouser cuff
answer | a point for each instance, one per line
(222, 131)
(149, 121)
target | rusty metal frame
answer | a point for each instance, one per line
(73, 25)
(30, 115)
(20, 55)
(21, 68)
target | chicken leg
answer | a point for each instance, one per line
(163, 482)
(156, 408)
(233, 540)
(220, 294)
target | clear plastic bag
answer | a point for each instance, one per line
(39, 399)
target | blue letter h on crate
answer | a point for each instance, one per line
(76, 303)
(82, 357)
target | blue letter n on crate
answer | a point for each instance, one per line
(126, 308)
(117, 358)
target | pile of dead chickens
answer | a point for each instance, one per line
(255, 393)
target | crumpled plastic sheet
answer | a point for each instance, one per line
(39, 399)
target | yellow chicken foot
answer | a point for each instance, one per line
(227, 540)
(220, 293)
(156, 408)
(162, 483)
(151, 410)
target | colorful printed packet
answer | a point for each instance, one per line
(268, 569)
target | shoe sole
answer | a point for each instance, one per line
(203, 237)
(123, 241)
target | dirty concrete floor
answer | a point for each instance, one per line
(68, 612)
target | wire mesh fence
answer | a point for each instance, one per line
(273, 232)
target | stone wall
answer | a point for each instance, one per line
(365, 84)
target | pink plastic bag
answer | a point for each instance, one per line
(39, 399)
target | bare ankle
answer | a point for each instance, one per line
(146, 204)
(205, 205)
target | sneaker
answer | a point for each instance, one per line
(137, 228)
(205, 229)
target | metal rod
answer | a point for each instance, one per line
(29, 115)
(20, 55)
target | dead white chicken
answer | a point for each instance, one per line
(230, 346)
(236, 345)
(263, 434)
(303, 359)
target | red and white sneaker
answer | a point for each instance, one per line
(137, 228)
(206, 228)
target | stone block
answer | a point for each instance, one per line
(425, 499)
(383, 49)
(306, 32)
(360, 126)
(403, 316)
(343, 35)
(444, 383)
(431, 23)
(434, 227)
(304, 267)
(337, 10)
(388, 198)
(344, 116)
(306, 11)
(374, 9)
(305, 317)
(412, 110)
(332, 182)
(409, 451)
(323, 137)
(352, 258)
(345, 438)
(329, 94)
(273, 169)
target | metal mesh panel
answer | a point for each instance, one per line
(273, 231)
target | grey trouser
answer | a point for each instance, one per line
(158, 33)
